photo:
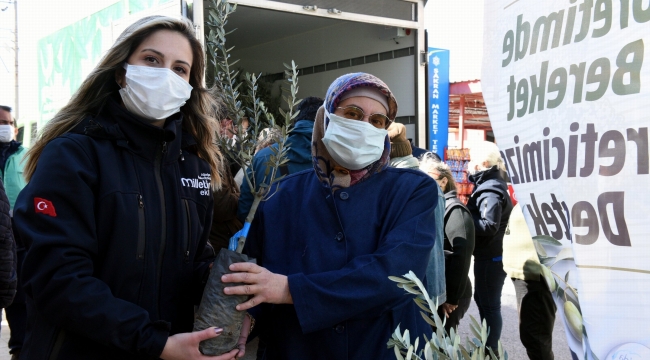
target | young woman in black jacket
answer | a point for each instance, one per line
(117, 212)
(490, 207)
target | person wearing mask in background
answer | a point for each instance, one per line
(322, 279)
(115, 226)
(400, 157)
(12, 154)
(459, 244)
(299, 154)
(8, 276)
(490, 206)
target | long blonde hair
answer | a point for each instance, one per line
(100, 84)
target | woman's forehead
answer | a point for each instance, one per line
(171, 44)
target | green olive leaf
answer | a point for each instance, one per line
(547, 240)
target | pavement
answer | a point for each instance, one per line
(509, 335)
(510, 331)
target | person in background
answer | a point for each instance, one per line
(117, 212)
(458, 243)
(299, 154)
(400, 148)
(8, 276)
(267, 137)
(226, 128)
(534, 299)
(224, 216)
(400, 157)
(12, 155)
(490, 206)
(322, 281)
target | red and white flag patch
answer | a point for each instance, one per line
(44, 206)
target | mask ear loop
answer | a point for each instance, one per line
(125, 65)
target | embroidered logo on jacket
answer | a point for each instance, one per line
(43, 206)
(200, 182)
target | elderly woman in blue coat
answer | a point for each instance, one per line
(330, 236)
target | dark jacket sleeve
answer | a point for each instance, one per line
(205, 255)
(226, 198)
(363, 281)
(488, 220)
(224, 217)
(259, 165)
(62, 251)
(8, 277)
(459, 229)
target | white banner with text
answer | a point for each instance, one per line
(567, 86)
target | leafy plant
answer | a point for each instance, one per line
(442, 346)
(265, 87)
(250, 106)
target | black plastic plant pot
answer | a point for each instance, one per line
(218, 309)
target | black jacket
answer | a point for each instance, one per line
(459, 245)
(490, 206)
(115, 220)
(8, 278)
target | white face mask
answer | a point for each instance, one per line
(154, 93)
(353, 144)
(6, 133)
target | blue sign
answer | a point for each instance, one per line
(438, 94)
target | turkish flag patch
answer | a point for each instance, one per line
(44, 206)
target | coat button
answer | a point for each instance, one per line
(340, 328)
(339, 236)
(344, 196)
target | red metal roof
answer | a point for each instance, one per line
(476, 115)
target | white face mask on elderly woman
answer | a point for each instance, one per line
(154, 93)
(353, 144)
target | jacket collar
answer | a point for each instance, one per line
(451, 194)
(485, 175)
(13, 146)
(114, 122)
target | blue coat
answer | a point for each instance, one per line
(115, 263)
(299, 156)
(338, 251)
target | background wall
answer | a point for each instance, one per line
(339, 41)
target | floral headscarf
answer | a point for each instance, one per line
(328, 171)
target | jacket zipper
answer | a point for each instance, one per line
(188, 238)
(163, 220)
(141, 228)
(58, 343)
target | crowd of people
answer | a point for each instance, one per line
(114, 240)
